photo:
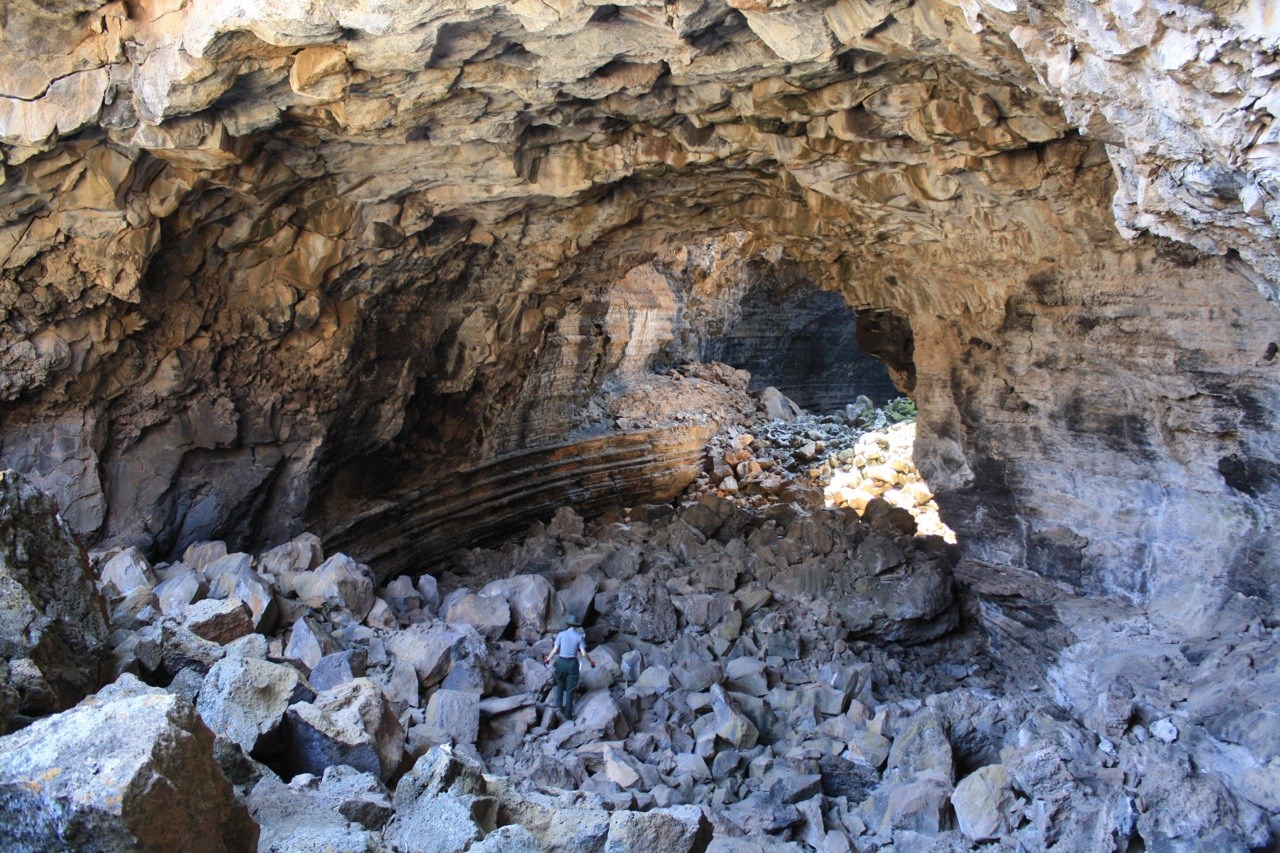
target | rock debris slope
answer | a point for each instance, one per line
(770, 675)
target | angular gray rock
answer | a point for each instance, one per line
(433, 804)
(176, 592)
(532, 603)
(220, 621)
(351, 724)
(922, 748)
(300, 554)
(300, 818)
(488, 614)
(309, 642)
(339, 586)
(359, 797)
(338, 668)
(126, 571)
(135, 772)
(244, 700)
(679, 829)
(983, 802)
(427, 648)
(455, 712)
(53, 621)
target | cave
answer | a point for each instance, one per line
(458, 291)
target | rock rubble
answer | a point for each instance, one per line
(769, 676)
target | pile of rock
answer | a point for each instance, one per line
(880, 465)
(788, 455)
(766, 680)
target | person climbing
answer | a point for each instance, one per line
(570, 645)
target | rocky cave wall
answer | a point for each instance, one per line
(273, 267)
(803, 341)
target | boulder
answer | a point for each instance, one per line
(300, 554)
(577, 597)
(339, 586)
(339, 668)
(983, 802)
(130, 773)
(176, 592)
(679, 829)
(455, 712)
(920, 805)
(532, 602)
(244, 700)
(401, 595)
(200, 554)
(508, 839)
(221, 572)
(922, 748)
(433, 804)
(135, 608)
(351, 724)
(125, 572)
(300, 818)
(427, 648)
(219, 621)
(488, 614)
(562, 823)
(778, 406)
(359, 797)
(309, 642)
(53, 621)
(728, 724)
(181, 649)
(643, 607)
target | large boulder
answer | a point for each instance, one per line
(351, 724)
(434, 804)
(429, 649)
(129, 773)
(679, 829)
(244, 700)
(488, 614)
(533, 604)
(455, 712)
(299, 818)
(53, 621)
(340, 587)
(126, 572)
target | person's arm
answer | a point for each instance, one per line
(582, 650)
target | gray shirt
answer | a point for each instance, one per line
(569, 643)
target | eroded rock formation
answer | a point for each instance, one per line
(267, 266)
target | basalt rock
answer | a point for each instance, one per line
(135, 772)
(53, 622)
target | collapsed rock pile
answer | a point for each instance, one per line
(767, 680)
(837, 460)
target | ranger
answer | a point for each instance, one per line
(570, 645)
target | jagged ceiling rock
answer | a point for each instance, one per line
(252, 254)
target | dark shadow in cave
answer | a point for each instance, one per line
(804, 342)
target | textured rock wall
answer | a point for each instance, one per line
(257, 265)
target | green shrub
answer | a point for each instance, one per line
(899, 410)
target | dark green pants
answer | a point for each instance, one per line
(566, 684)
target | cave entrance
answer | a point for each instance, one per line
(791, 335)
